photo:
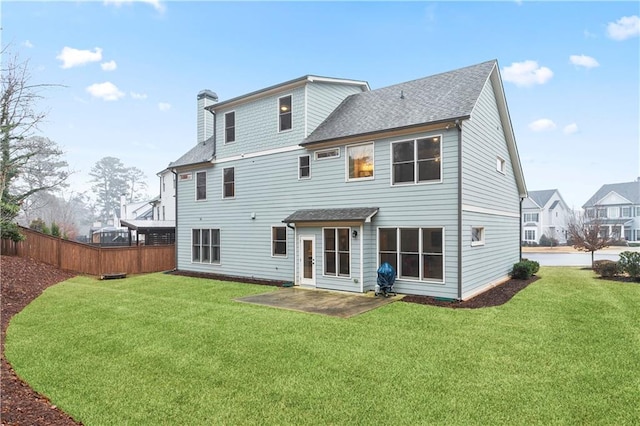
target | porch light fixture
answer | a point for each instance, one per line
(354, 233)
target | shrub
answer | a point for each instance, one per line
(524, 269)
(548, 242)
(606, 268)
(620, 243)
(630, 264)
(55, 229)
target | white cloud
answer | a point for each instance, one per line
(109, 66)
(139, 96)
(157, 4)
(106, 91)
(624, 28)
(542, 125)
(584, 61)
(163, 106)
(570, 129)
(526, 73)
(71, 57)
(27, 44)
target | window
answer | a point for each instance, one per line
(163, 185)
(201, 186)
(228, 183)
(230, 127)
(186, 176)
(530, 235)
(416, 161)
(284, 113)
(477, 236)
(613, 212)
(531, 217)
(602, 213)
(278, 241)
(327, 153)
(337, 251)
(415, 253)
(360, 161)
(626, 211)
(637, 211)
(163, 214)
(304, 167)
(205, 245)
(500, 165)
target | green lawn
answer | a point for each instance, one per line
(162, 349)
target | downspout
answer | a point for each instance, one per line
(295, 246)
(459, 127)
(520, 235)
(175, 208)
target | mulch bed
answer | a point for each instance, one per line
(25, 279)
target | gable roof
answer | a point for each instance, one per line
(628, 190)
(203, 152)
(541, 198)
(439, 98)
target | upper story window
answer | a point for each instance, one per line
(284, 113)
(201, 186)
(360, 161)
(304, 167)
(228, 183)
(625, 211)
(500, 165)
(477, 236)
(416, 161)
(230, 127)
(327, 153)
(164, 188)
(531, 217)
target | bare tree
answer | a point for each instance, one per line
(588, 234)
(19, 120)
(136, 183)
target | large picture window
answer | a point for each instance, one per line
(415, 253)
(360, 161)
(230, 127)
(279, 241)
(228, 183)
(416, 161)
(337, 251)
(205, 245)
(284, 113)
(201, 186)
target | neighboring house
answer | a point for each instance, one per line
(320, 180)
(143, 226)
(616, 207)
(164, 207)
(545, 213)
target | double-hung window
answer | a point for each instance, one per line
(278, 241)
(531, 217)
(415, 253)
(228, 183)
(230, 127)
(416, 161)
(304, 167)
(205, 245)
(284, 113)
(360, 161)
(337, 251)
(201, 186)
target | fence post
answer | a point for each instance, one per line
(59, 248)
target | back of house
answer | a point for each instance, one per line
(318, 181)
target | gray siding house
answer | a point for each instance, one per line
(616, 207)
(319, 180)
(545, 213)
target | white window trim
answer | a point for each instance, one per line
(337, 275)
(480, 242)
(185, 176)
(346, 162)
(196, 186)
(278, 113)
(286, 241)
(337, 150)
(501, 165)
(304, 177)
(219, 262)
(234, 183)
(444, 257)
(415, 155)
(534, 234)
(234, 127)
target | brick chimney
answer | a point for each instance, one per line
(205, 118)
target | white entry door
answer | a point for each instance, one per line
(307, 260)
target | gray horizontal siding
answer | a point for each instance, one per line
(323, 98)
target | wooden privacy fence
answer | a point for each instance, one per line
(85, 259)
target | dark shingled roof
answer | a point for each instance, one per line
(332, 215)
(628, 190)
(541, 198)
(447, 96)
(201, 153)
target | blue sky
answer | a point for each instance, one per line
(131, 71)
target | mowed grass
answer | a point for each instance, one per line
(162, 349)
